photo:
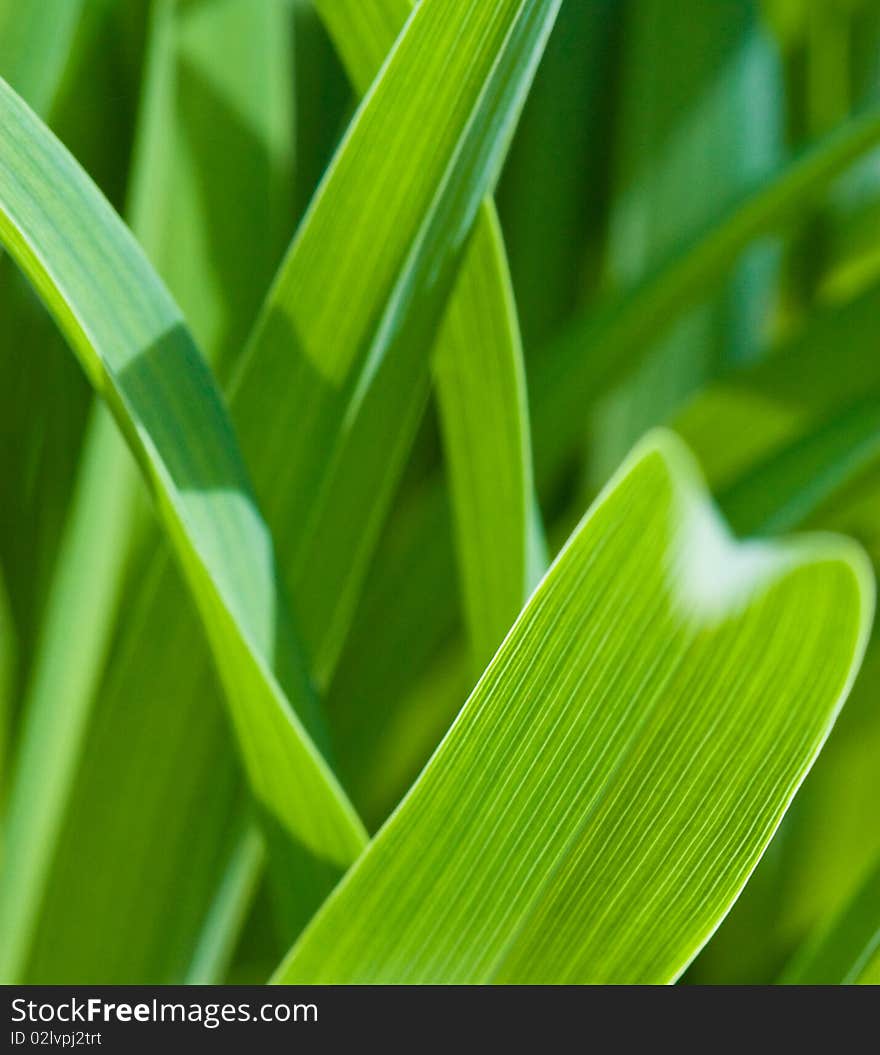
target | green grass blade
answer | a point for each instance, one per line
(479, 376)
(133, 346)
(848, 953)
(814, 395)
(481, 392)
(254, 430)
(629, 753)
(402, 196)
(597, 350)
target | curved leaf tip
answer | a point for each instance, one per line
(624, 761)
(712, 573)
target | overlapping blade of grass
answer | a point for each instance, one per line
(361, 323)
(136, 351)
(220, 43)
(384, 728)
(599, 348)
(623, 762)
(8, 659)
(505, 97)
(848, 952)
(479, 376)
(480, 382)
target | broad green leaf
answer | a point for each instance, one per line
(745, 429)
(479, 377)
(366, 696)
(353, 328)
(833, 835)
(599, 348)
(785, 442)
(133, 346)
(848, 953)
(831, 838)
(622, 764)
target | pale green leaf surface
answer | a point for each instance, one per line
(404, 191)
(628, 737)
(130, 339)
(599, 348)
